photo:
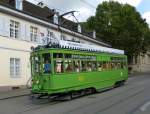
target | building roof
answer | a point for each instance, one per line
(46, 14)
(32, 9)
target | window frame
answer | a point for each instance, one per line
(15, 69)
(33, 34)
(50, 36)
(55, 59)
(14, 29)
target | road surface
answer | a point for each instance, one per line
(132, 98)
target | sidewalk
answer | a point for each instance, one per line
(139, 74)
(14, 93)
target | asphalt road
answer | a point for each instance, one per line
(132, 98)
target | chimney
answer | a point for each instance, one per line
(56, 18)
(40, 4)
(19, 4)
(79, 28)
(94, 34)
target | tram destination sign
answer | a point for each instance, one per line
(83, 57)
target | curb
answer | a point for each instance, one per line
(139, 74)
(15, 96)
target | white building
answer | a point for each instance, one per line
(23, 25)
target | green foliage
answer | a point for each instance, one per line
(121, 26)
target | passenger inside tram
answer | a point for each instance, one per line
(69, 68)
(47, 67)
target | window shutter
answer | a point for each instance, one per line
(1, 26)
(43, 35)
(39, 35)
(27, 32)
(22, 31)
(6, 27)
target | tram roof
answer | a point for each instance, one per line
(82, 47)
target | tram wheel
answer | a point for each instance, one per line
(119, 83)
(69, 96)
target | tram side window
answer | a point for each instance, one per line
(116, 61)
(58, 55)
(122, 65)
(67, 56)
(108, 65)
(46, 63)
(58, 66)
(94, 66)
(99, 66)
(68, 66)
(112, 65)
(83, 66)
(119, 65)
(76, 65)
(89, 66)
(104, 66)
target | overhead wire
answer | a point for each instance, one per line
(89, 4)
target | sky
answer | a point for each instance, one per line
(87, 8)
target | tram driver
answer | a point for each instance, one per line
(47, 67)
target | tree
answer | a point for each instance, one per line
(121, 26)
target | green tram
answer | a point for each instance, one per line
(57, 71)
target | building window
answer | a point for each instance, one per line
(14, 67)
(14, 29)
(33, 34)
(19, 4)
(50, 35)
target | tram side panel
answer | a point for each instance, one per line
(97, 80)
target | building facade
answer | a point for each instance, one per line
(23, 27)
(141, 63)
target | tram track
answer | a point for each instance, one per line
(110, 97)
(47, 104)
(30, 105)
(38, 107)
(120, 101)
